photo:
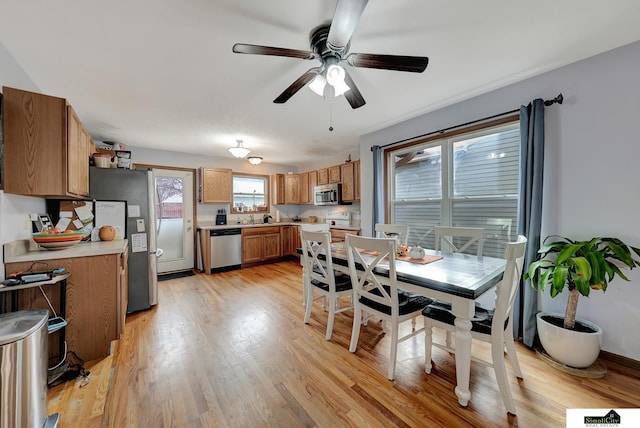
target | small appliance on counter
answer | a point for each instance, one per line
(221, 217)
(338, 218)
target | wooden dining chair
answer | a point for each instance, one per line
(378, 295)
(491, 326)
(319, 277)
(385, 230)
(459, 239)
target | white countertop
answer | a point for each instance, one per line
(26, 250)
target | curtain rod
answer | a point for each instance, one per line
(547, 103)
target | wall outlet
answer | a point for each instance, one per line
(27, 222)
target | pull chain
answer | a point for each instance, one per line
(330, 111)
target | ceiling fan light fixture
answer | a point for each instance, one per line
(340, 88)
(318, 84)
(335, 75)
(239, 151)
(254, 160)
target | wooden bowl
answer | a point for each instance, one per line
(57, 241)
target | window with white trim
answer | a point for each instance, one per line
(466, 180)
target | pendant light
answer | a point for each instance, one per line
(239, 151)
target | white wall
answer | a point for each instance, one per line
(13, 208)
(591, 168)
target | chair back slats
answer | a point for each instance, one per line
(448, 235)
(368, 280)
(507, 288)
(314, 244)
(401, 231)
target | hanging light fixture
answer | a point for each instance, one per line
(239, 151)
(254, 160)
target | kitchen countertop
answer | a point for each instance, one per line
(26, 250)
(210, 225)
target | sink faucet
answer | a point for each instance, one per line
(251, 219)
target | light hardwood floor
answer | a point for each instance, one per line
(231, 350)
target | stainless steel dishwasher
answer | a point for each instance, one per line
(226, 249)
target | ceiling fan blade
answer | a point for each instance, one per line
(345, 19)
(414, 64)
(270, 50)
(299, 83)
(353, 95)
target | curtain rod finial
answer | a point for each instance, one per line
(557, 99)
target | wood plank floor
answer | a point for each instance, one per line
(231, 350)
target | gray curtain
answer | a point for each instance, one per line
(530, 212)
(378, 188)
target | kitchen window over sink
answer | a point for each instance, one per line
(468, 179)
(250, 193)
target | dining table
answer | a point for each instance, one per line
(455, 278)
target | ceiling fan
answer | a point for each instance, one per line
(330, 45)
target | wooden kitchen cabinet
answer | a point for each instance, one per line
(356, 180)
(260, 244)
(292, 188)
(290, 237)
(277, 189)
(216, 185)
(313, 182)
(347, 171)
(334, 174)
(305, 194)
(323, 176)
(46, 148)
(95, 300)
(338, 235)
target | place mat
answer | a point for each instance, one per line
(423, 261)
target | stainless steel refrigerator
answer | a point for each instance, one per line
(137, 187)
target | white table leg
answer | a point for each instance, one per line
(463, 310)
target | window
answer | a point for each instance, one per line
(465, 180)
(250, 193)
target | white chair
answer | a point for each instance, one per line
(315, 227)
(320, 277)
(454, 238)
(384, 230)
(378, 295)
(491, 326)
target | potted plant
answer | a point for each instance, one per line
(578, 266)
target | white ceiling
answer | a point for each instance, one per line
(161, 74)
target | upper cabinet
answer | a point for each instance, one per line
(356, 180)
(286, 188)
(292, 189)
(334, 174)
(46, 148)
(323, 176)
(216, 185)
(346, 170)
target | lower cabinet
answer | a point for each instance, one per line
(290, 240)
(337, 235)
(260, 244)
(95, 301)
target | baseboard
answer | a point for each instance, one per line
(619, 359)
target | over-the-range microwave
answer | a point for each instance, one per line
(328, 194)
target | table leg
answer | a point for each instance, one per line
(463, 309)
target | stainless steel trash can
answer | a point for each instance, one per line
(23, 369)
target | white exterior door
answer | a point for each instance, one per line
(174, 219)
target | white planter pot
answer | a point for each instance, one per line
(569, 347)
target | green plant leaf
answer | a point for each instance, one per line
(560, 276)
(567, 252)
